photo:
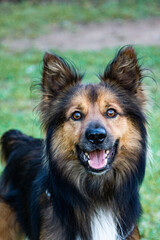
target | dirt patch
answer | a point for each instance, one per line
(93, 36)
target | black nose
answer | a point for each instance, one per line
(96, 135)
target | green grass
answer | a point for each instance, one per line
(19, 71)
(31, 19)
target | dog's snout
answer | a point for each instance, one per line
(96, 135)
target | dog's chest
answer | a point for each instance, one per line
(103, 227)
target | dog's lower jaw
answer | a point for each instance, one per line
(98, 161)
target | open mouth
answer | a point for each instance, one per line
(98, 161)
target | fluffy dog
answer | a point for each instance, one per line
(82, 181)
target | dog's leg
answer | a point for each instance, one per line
(9, 228)
(135, 234)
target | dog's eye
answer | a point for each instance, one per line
(111, 113)
(76, 116)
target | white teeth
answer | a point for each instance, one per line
(87, 155)
(107, 151)
(89, 162)
(106, 160)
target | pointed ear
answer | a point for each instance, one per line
(124, 70)
(58, 75)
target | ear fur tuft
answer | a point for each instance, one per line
(124, 70)
(58, 75)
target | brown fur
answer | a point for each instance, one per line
(9, 227)
(135, 234)
(121, 127)
(62, 95)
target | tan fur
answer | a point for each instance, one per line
(69, 134)
(92, 101)
(135, 234)
(9, 228)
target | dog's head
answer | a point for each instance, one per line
(95, 128)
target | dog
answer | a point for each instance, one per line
(82, 181)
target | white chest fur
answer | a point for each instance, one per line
(103, 226)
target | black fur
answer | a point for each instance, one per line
(24, 158)
(32, 169)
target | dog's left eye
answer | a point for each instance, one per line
(76, 116)
(111, 113)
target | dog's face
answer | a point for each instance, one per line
(93, 121)
(96, 129)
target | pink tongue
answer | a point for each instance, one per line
(97, 159)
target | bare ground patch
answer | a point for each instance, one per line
(92, 36)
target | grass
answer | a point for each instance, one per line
(20, 71)
(30, 18)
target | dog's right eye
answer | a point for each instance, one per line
(76, 116)
(111, 113)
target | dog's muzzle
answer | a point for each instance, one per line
(97, 149)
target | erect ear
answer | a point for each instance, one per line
(58, 75)
(124, 70)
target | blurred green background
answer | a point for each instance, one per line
(21, 69)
